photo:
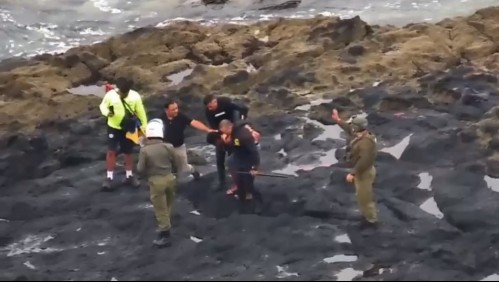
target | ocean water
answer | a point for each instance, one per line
(39, 26)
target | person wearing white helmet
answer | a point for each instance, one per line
(158, 163)
(361, 154)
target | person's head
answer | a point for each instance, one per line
(154, 129)
(210, 102)
(124, 86)
(359, 125)
(171, 108)
(226, 126)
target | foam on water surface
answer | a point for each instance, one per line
(195, 213)
(145, 206)
(196, 240)
(340, 258)
(493, 277)
(348, 274)
(29, 265)
(344, 239)
(431, 207)
(492, 183)
(282, 272)
(425, 180)
(39, 244)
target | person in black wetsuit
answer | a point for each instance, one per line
(244, 160)
(218, 109)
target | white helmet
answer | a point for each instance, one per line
(154, 128)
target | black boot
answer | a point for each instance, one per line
(132, 181)
(196, 175)
(107, 185)
(163, 240)
(366, 225)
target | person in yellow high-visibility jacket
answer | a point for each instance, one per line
(120, 104)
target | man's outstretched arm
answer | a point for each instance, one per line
(201, 126)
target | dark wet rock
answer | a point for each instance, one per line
(468, 135)
(402, 102)
(357, 50)
(494, 143)
(342, 32)
(311, 131)
(454, 194)
(492, 168)
(322, 112)
(369, 96)
(291, 77)
(291, 4)
(209, 2)
(12, 63)
(238, 77)
(195, 158)
(440, 146)
(282, 98)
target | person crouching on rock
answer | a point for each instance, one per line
(218, 109)
(244, 161)
(124, 110)
(158, 162)
(362, 155)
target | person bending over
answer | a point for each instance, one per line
(244, 161)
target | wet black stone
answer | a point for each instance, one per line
(291, 4)
(238, 77)
(357, 50)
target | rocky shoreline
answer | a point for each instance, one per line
(429, 91)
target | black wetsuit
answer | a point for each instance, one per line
(245, 157)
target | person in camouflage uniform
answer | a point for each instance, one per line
(361, 154)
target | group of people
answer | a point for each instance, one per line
(164, 154)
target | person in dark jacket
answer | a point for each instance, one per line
(245, 159)
(218, 109)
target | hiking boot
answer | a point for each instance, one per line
(366, 225)
(196, 175)
(107, 185)
(164, 240)
(133, 181)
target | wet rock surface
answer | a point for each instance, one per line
(435, 118)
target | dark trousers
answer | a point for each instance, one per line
(246, 185)
(221, 152)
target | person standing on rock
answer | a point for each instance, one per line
(125, 112)
(158, 162)
(218, 109)
(244, 161)
(362, 155)
(175, 124)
